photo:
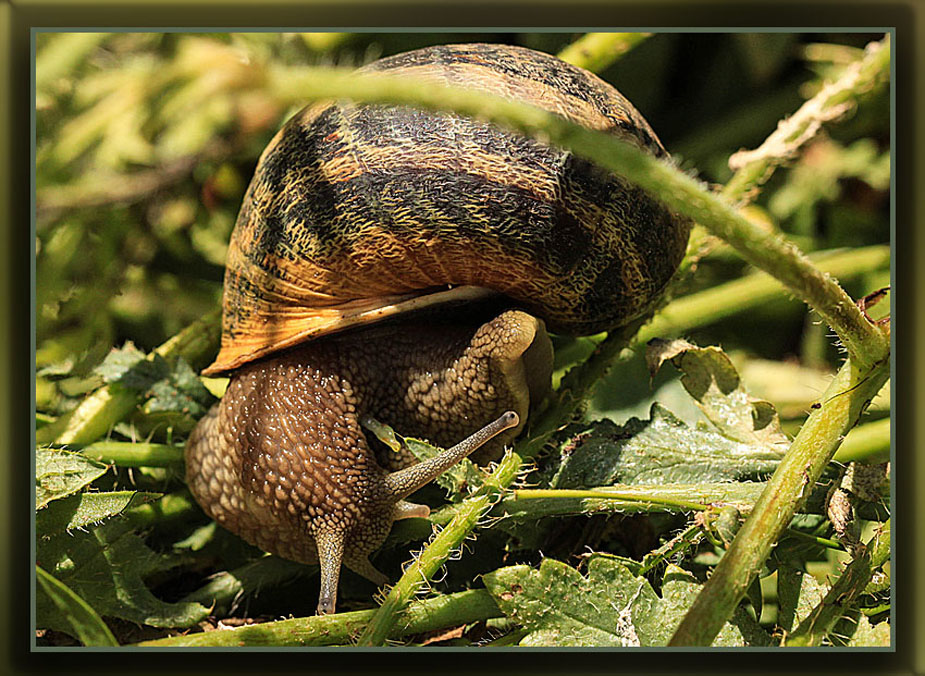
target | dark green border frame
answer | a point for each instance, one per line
(17, 21)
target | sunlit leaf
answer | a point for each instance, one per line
(62, 473)
(85, 509)
(712, 380)
(609, 607)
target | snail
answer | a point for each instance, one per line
(398, 266)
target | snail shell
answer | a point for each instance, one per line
(356, 212)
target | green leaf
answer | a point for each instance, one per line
(610, 607)
(85, 624)
(85, 509)
(870, 636)
(130, 367)
(710, 377)
(179, 391)
(107, 566)
(661, 450)
(797, 594)
(62, 473)
(165, 388)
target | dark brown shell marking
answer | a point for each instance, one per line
(354, 206)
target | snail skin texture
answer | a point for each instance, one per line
(395, 266)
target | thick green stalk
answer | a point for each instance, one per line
(792, 482)
(673, 498)
(340, 629)
(596, 51)
(96, 414)
(422, 569)
(128, 454)
(436, 552)
(725, 300)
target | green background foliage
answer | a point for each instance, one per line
(145, 143)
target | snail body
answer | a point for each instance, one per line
(357, 214)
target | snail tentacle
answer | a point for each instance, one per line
(410, 510)
(406, 481)
(330, 553)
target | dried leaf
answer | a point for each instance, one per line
(870, 636)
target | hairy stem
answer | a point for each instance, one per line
(754, 167)
(321, 630)
(843, 402)
(725, 300)
(596, 51)
(674, 498)
(819, 623)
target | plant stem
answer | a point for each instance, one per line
(130, 454)
(96, 414)
(422, 569)
(825, 542)
(535, 503)
(819, 623)
(833, 101)
(172, 507)
(710, 305)
(421, 616)
(685, 540)
(568, 399)
(596, 51)
(843, 402)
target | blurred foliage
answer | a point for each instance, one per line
(145, 143)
